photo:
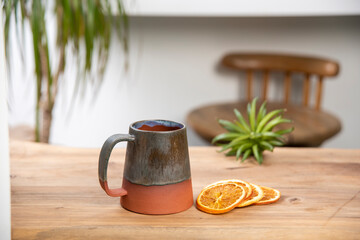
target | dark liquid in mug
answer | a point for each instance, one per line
(157, 128)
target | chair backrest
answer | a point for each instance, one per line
(251, 62)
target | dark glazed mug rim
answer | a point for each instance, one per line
(136, 125)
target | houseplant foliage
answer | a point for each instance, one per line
(85, 26)
(254, 136)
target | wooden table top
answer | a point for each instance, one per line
(56, 195)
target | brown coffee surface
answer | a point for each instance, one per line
(157, 128)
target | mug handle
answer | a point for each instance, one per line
(104, 160)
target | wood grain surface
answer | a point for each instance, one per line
(281, 62)
(56, 195)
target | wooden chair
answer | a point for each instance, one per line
(312, 125)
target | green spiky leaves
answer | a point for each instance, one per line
(254, 136)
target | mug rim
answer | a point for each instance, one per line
(176, 124)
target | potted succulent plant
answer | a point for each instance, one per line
(85, 26)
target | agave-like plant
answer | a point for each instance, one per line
(252, 138)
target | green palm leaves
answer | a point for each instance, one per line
(252, 137)
(84, 27)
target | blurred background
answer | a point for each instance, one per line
(174, 54)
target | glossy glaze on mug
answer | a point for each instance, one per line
(157, 157)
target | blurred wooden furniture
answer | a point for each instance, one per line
(22, 132)
(56, 195)
(312, 125)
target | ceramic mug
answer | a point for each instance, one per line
(156, 177)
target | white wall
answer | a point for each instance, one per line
(5, 228)
(174, 68)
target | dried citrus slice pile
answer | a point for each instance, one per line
(225, 195)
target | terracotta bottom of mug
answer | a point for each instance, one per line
(165, 199)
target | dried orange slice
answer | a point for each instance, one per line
(270, 195)
(245, 185)
(220, 198)
(256, 195)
